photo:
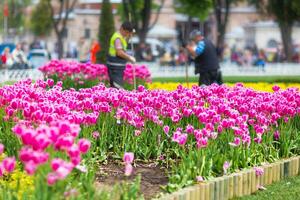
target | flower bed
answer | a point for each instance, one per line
(260, 86)
(85, 75)
(196, 133)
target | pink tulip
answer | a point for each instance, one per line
(1, 148)
(39, 157)
(30, 167)
(64, 142)
(84, 145)
(276, 135)
(95, 134)
(137, 132)
(258, 139)
(237, 142)
(259, 171)
(128, 157)
(25, 154)
(28, 136)
(199, 179)
(226, 165)
(189, 129)
(276, 88)
(50, 82)
(51, 178)
(9, 164)
(2, 170)
(182, 139)
(75, 160)
(73, 151)
(56, 163)
(62, 172)
(176, 136)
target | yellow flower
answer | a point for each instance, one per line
(18, 182)
(260, 86)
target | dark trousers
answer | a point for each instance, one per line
(210, 77)
(116, 74)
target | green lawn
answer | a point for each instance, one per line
(287, 189)
(234, 79)
(7, 83)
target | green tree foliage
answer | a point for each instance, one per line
(139, 13)
(106, 29)
(41, 22)
(221, 11)
(16, 18)
(199, 9)
(286, 13)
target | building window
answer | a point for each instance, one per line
(87, 33)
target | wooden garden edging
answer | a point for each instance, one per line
(238, 184)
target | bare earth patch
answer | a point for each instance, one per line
(152, 177)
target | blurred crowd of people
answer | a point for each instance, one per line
(14, 59)
(252, 56)
(249, 56)
(170, 54)
(23, 55)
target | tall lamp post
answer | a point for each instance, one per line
(5, 18)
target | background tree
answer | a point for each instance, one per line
(59, 21)
(41, 22)
(16, 18)
(106, 29)
(286, 13)
(140, 13)
(221, 11)
(201, 10)
(189, 8)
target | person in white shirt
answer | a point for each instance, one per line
(19, 58)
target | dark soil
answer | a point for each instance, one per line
(152, 177)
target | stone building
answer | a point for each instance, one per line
(245, 25)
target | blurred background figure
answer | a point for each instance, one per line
(166, 59)
(72, 51)
(19, 58)
(95, 48)
(205, 59)
(247, 58)
(35, 45)
(144, 53)
(6, 58)
(118, 55)
(140, 52)
(182, 57)
(261, 60)
(83, 50)
(226, 54)
(148, 57)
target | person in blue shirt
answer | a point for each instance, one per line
(205, 58)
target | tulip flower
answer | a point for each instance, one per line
(1, 148)
(128, 157)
